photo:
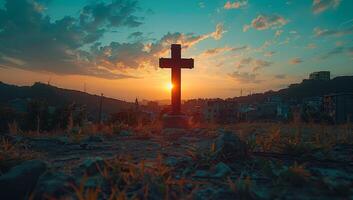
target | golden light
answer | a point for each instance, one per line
(169, 86)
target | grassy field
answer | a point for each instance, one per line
(270, 160)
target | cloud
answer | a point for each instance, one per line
(318, 32)
(135, 35)
(295, 61)
(219, 50)
(219, 32)
(187, 40)
(278, 33)
(339, 43)
(269, 53)
(139, 55)
(215, 51)
(255, 64)
(323, 5)
(333, 52)
(235, 5)
(350, 50)
(244, 77)
(31, 40)
(263, 22)
(280, 76)
(115, 14)
(311, 46)
(43, 44)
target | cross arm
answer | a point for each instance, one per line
(165, 63)
(187, 63)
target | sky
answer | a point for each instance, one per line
(113, 46)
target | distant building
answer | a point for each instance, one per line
(339, 107)
(321, 75)
(313, 103)
(246, 112)
(283, 111)
(220, 111)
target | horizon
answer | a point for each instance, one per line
(113, 47)
(161, 101)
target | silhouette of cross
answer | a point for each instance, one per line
(176, 63)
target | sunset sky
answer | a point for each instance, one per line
(113, 46)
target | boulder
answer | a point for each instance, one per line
(221, 170)
(20, 181)
(54, 185)
(90, 166)
(93, 139)
(228, 147)
(126, 133)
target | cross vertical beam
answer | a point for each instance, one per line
(176, 79)
(176, 63)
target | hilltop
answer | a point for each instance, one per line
(307, 88)
(56, 96)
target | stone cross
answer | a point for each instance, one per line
(176, 63)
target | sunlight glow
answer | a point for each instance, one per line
(169, 86)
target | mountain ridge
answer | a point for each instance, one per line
(56, 96)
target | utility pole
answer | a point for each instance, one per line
(100, 109)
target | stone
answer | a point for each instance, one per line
(221, 170)
(125, 133)
(90, 166)
(202, 174)
(228, 146)
(173, 131)
(63, 140)
(94, 182)
(93, 139)
(20, 181)
(212, 192)
(171, 161)
(54, 185)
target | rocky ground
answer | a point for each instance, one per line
(193, 164)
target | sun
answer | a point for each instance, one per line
(169, 86)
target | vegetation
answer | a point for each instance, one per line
(284, 158)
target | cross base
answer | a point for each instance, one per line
(177, 121)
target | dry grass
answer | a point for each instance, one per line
(284, 137)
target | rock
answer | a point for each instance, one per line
(212, 192)
(342, 153)
(202, 174)
(228, 146)
(125, 133)
(63, 140)
(173, 131)
(94, 182)
(171, 161)
(92, 139)
(90, 166)
(221, 170)
(20, 181)
(54, 185)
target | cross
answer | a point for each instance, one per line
(176, 63)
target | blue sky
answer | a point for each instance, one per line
(257, 45)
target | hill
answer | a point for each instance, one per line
(305, 89)
(55, 96)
